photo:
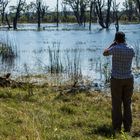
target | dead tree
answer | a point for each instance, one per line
(41, 10)
(38, 4)
(57, 12)
(103, 15)
(3, 5)
(19, 8)
(7, 21)
(90, 18)
(79, 9)
(107, 22)
(116, 17)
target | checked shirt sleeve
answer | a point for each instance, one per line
(111, 50)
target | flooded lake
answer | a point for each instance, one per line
(32, 47)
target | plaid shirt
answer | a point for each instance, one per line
(122, 56)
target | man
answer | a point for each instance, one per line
(121, 82)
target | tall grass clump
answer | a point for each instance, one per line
(64, 65)
(7, 54)
(137, 54)
(73, 66)
(55, 66)
(106, 71)
(98, 65)
(8, 51)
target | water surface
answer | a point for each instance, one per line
(32, 46)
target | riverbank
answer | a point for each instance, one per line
(50, 114)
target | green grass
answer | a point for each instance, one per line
(50, 115)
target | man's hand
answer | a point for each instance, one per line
(106, 52)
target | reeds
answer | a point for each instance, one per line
(137, 54)
(73, 66)
(8, 51)
(64, 65)
(55, 64)
(106, 72)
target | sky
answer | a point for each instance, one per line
(50, 3)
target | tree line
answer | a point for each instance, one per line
(104, 12)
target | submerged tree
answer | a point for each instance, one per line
(115, 13)
(90, 15)
(3, 5)
(103, 11)
(18, 10)
(79, 9)
(57, 12)
(7, 21)
(41, 9)
(38, 6)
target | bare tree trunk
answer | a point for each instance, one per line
(2, 17)
(15, 22)
(38, 14)
(108, 13)
(117, 23)
(57, 13)
(77, 17)
(99, 13)
(104, 22)
(17, 15)
(116, 17)
(90, 19)
(3, 4)
(7, 20)
(82, 13)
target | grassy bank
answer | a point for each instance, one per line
(50, 115)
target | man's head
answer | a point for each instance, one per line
(120, 37)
